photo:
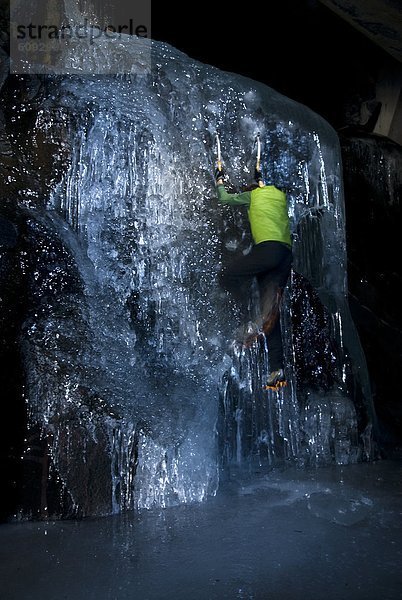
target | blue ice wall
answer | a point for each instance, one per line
(131, 374)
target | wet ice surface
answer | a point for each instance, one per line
(127, 340)
(332, 533)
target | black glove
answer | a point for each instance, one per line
(257, 175)
(219, 174)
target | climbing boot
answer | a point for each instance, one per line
(276, 380)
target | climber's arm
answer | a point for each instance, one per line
(232, 199)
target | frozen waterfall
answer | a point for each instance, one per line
(130, 374)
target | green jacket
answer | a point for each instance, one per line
(267, 212)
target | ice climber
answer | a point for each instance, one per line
(269, 261)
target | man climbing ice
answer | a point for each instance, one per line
(269, 261)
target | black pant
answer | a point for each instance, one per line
(270, 263)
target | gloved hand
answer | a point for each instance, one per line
(219, 174)
(257, 175)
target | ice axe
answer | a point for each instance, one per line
(258, 176)
(219, 174)
(258, 163)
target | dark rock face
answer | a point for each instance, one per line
(13, 423)
(372, 168)
(379, 21)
